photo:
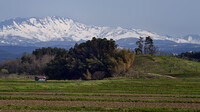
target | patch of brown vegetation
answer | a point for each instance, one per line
(99, 104)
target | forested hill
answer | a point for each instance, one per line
(93, 59)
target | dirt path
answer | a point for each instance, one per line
(98, 104)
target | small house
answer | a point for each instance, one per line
(40, 78)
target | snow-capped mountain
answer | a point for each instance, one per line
(23, 31)
(64, 32)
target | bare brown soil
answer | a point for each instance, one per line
(99, 104)
(40, 111)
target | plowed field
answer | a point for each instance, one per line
(53, 96)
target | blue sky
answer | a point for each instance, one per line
(165, 17)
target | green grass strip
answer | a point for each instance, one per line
(114, 95)
(96, 99)
(84, 108)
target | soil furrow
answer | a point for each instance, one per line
(97, 94)
(99, 104)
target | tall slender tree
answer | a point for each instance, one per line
(149, 47)
(139, 50)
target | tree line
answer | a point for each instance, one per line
(31, 64)
(194, 56)
(93, 59)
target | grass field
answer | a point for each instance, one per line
(139, 95)
(165, 65)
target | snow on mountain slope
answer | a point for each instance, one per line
(61, 29)
(34, 30)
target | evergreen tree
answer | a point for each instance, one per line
(149, 47)
(140, 46)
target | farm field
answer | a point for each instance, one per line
(138, 95)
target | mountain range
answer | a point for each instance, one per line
(64, 32)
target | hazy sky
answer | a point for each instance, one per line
(165, 17)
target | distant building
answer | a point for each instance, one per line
(40, 78)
